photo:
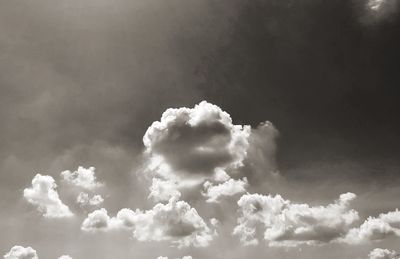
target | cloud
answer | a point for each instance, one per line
(162, 190)
(289, 224)
(19, 252)
(98, 220)
(198, 140)
(65, 257)
(194, 148)
(185, 257)
(260, 163)
(175, 221)
(379, 253)
(375, 229)
(83, 199)
(228, 188)
(83, 177)
(188, 145)
(43, 194)
(377, 10)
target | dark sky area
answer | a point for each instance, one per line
(82, 80)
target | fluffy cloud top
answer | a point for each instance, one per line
(175, 221)
(198, 140)
(379, 253)
(19, 252)
(97, 220)
(65, 257)
(289, 224)
(375, 229)
(83, 177)
(83, 199)
(43, 194)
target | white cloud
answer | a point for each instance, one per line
(289, 224)
(83, 199)
(175, 221)
(375, 4)
(185, 257)
(189, 145)
(379, 253)
(43, 194)
(377, 10)
(163, 190)
(375, 229)
(98, 220)
(65, 257)
(228, 188)
(19, 252)
(83, 177)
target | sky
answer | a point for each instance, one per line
(199, 128)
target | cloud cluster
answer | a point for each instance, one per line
(83, 177)
(379, 253)
(44, 195)
(20, 252)
(375, 229)
(175, 221)
(290, 224)
(84, 199)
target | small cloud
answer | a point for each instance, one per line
(229, 188)
(19, 252)
(65, 257)
(97, 220)
(44, 195)
(83, 177)
(379, 253)
(84, 199)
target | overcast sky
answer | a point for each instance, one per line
(203, 128)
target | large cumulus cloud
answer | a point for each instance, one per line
(289, 224)
(192, 146)
(44, 196)
(196, 141)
